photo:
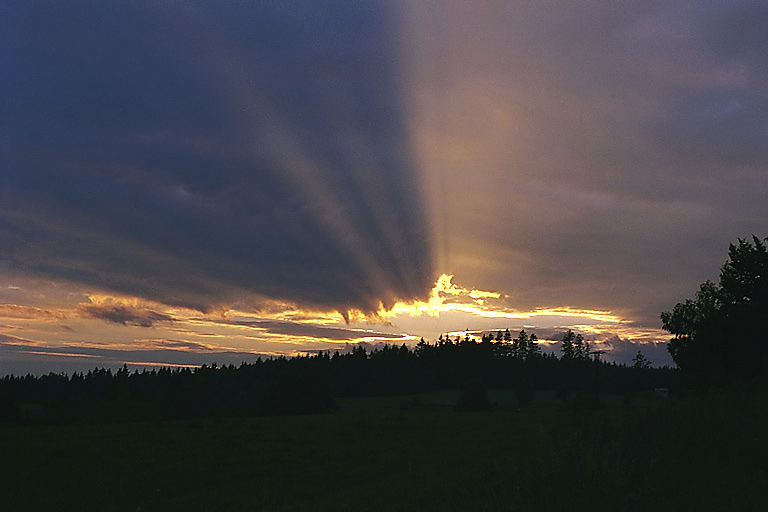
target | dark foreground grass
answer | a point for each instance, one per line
(388, 459)
(706, 454)
(372, 455)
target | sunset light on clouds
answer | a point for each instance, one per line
(184, 183)
(109, 330)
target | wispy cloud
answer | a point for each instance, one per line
(169, 344)
(8, 339)
(308, 330)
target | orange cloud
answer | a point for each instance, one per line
(27, 312)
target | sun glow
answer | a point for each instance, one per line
(446, 296)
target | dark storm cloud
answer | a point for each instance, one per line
(124, 315)
(197, 153)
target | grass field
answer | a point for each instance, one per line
(374, 454)
(371, 455)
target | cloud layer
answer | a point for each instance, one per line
(267, 163)
(597, 155)
(202, 154)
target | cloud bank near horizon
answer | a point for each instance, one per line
(97, 330)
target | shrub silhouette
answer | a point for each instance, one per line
(473, 397)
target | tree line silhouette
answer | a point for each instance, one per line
(718, 340)
(310, 384)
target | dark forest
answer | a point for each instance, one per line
(310, 384)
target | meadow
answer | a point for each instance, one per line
(402, 453)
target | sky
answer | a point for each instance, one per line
(194, 182)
